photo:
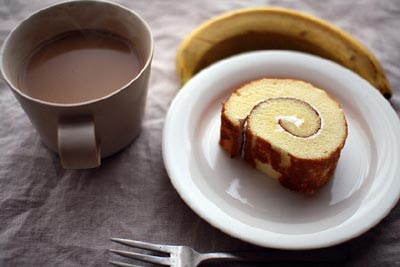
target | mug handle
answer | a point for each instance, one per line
(77, 144)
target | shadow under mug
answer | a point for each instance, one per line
(82, 133)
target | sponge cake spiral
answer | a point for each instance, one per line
(286, 128)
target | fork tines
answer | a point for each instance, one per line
(141, 256)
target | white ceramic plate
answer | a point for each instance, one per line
(246, 204)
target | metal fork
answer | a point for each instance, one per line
(184, 256)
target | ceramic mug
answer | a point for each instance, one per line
(82, 133)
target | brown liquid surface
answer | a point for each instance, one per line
(80, 66)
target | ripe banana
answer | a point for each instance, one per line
(275, 28)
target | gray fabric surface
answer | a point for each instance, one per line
(55, 217)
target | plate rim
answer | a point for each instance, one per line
(240, 226)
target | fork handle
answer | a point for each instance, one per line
(278, 256)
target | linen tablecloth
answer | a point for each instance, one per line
(55, 217)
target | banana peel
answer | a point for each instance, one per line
(275, 28)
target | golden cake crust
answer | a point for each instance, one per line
(297, 177)
(231, 136)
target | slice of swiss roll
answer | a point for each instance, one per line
(288, 129)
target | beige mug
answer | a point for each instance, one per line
(82, 133)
